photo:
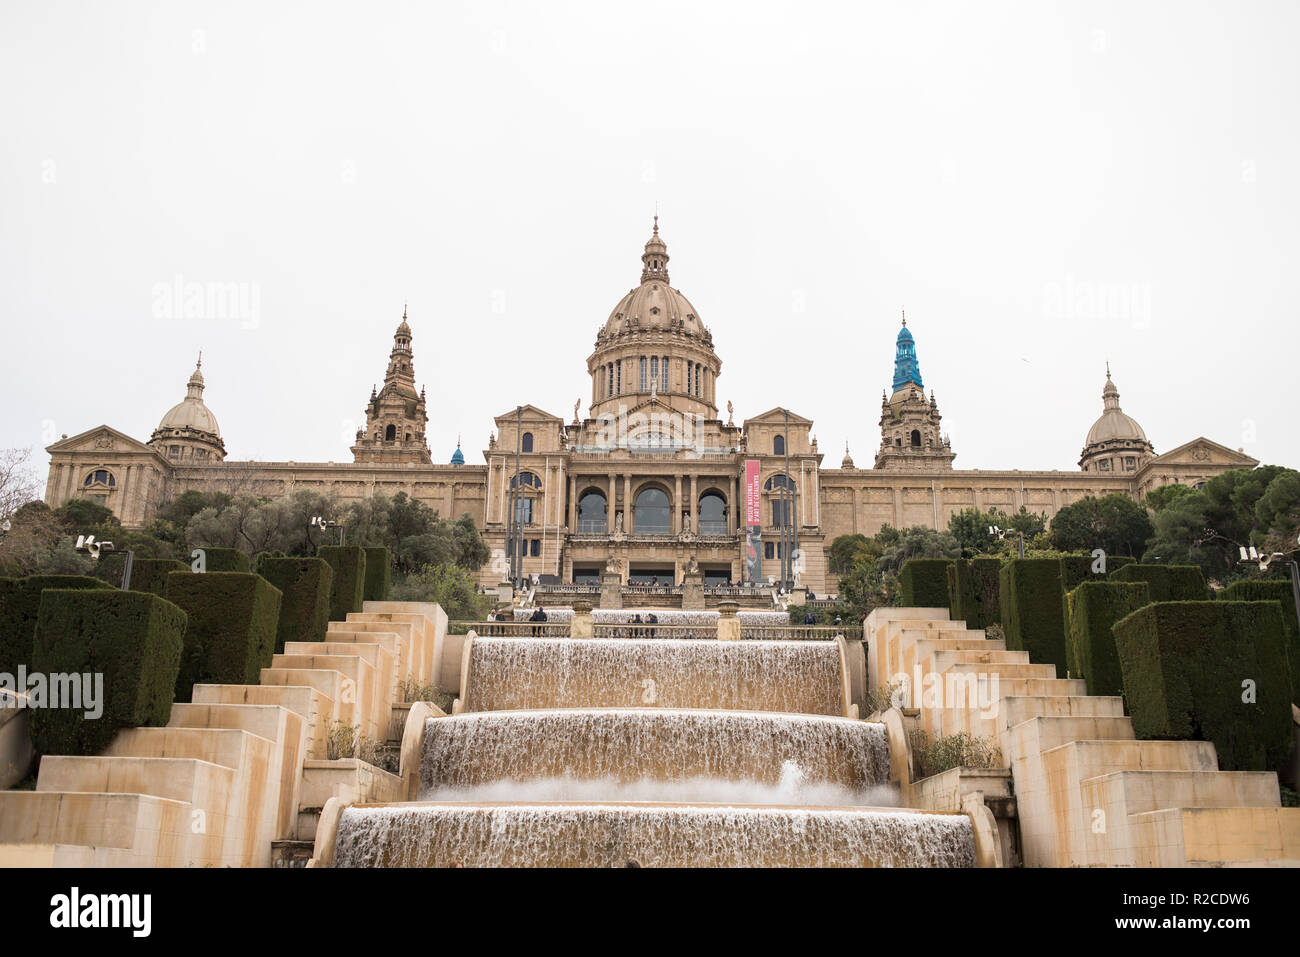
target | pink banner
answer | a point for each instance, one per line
(753, 493)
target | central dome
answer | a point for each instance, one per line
(1114, 424)
(654, 305)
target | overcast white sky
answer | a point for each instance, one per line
(1042, 186)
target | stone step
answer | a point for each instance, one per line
(964, 643)
(1136, 792)
(944, 660)
(94, 829)
(309, 704)
(226, 747)
(1228, 836)
(1003, 671)
(187, 780)
(1013, 709)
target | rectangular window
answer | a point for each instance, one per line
(780, 512)
(654, 370)
(663, 385)
(769, 550)
(618, 377)
(535, 547)
(644, 386)
(524, 511)
(610, 390)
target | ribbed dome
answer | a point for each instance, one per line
(654, 305)
(191, 412)
(1114, 424)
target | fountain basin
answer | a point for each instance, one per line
(653, 835)
(514, 674)
(667, 755)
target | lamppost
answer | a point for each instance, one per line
(1249, 556)
(1001, 533)
(87, 545)
(320, 521)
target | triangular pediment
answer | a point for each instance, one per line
(1201, 451)
(530, 413)
(777, 415)
(103, 438)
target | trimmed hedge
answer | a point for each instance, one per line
(1279, 591)
(1092, 609)
(973, 591)
(305, 585)
(1167, 582)
(225, 560)
(150, 574)
(1033, 614)
(1184, 665)
(20, 603)
(349, 588)
(132, 638)
(924, 582)
(378, 575)
(232, 632)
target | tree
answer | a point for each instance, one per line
(1114, 523)
(844, 550)
(18, 484)
(452, 587)
(1158, 498)
(78, 515)
(917, 542)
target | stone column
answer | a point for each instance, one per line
(733, 509)
(695, 518)
(573, 503)
(677, 504)
(580, 625)
(611, 503)
(627, 503)
(728, 620)
(611, 590)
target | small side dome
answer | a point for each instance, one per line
(458, 457)
(847, 462)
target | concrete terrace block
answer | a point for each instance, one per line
(356, 703)
(302, 700)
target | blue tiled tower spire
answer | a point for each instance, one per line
(906, 368)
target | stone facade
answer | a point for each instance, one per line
(652, 478)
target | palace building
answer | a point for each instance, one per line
(652, 479)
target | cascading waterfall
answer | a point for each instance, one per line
(655, 755)
(670, 753)
(513, 674)
(610, 835)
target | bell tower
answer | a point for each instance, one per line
(909, 425)
(395, 415)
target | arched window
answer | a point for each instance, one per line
(778, 445)
(653, 516)
(916, 438)
(713, 514)
(782, 500)
(527, 442)
(101, 477)
(592, 513)
(527, 480)
(390, 433)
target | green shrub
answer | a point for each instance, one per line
(973, 591)
(349, 587)
(225, 560)
(378, 575)
(1033, 613)
(1093, 607)
(1077, 569)
(924, 582)
(305, 585)
(20, 603)
(1166, 582)
(960, 750)
(133, 639)
(1279, 591)
(232, 632)
(150, 574)
(1184, 666)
